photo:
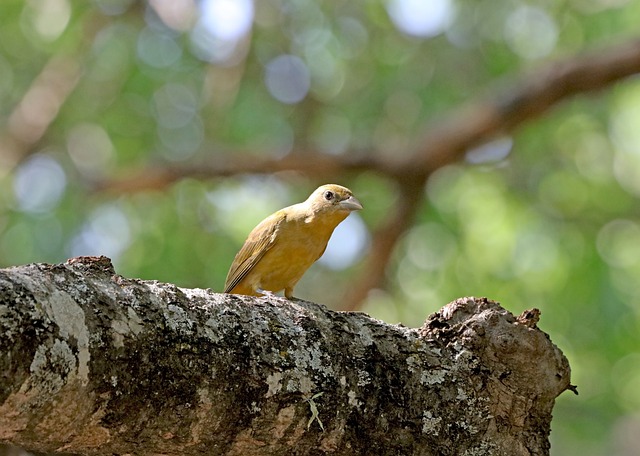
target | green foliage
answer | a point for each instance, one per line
(554, 225)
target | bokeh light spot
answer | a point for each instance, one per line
(353, 37)
(530, 32)
(625, 376)
(39, 183)
(430, 246)
(618, 243)
(106, 232)
(182, 142)
(564, 193)
(287, 78)
(347, 244)
(158, 49)
(222, 26)
(491, 152)
(177, 14)
(51, 18)
(228, 20)
(331, 133)
(535, 251)
(174, 105)
(421, 18)
(209, 48)
(90, 148)
(625, 136)
(242, 205)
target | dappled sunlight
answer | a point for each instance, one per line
(174, 105)
(242, 207)
(530, 32)
(227, 20)
(419, 18)
(287, 78)
(564, 194)
(331, 133)
(177, 14)
(105, 232)
(625, 136)
(90, 149)
(49, 18)
(491, 152)
(430, 246)
(39, 184)
(220, 30)
(619, 243)
(157, 48)
(625, 377)
(347, 244)
(500, 240)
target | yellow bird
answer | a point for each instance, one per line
(283, 246)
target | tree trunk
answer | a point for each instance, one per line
(98, 364)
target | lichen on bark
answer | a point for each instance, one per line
(96, 363)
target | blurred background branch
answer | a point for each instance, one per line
(466, 128)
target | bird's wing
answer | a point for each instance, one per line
(260, 240)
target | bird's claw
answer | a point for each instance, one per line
(266, 293)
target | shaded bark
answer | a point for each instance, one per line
(95, 363)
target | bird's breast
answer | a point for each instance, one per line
(296, 247)
(304, 239)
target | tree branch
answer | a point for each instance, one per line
(39, 106)
(318, 165)
(385, 238)
(484, 119)
(444, 142)
(97, 364)
(37, 109)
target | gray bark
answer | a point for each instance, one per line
(94, 363)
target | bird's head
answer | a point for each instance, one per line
(332, 198)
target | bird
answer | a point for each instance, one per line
(280, 249)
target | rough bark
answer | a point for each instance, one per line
(98, 364)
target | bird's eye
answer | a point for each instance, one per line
(328, 195)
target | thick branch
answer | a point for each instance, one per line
(94, 363)
(484, 119)
(318, 165)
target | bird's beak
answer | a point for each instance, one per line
(351, 204)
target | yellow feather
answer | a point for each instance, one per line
(283, 246)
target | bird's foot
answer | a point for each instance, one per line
(271, 294)
(266, 293)
(288, 293)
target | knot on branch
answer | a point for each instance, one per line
(521, 356)
(92, 264)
